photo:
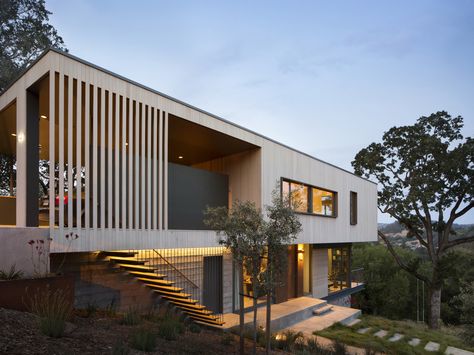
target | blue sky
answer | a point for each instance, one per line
(327, 78)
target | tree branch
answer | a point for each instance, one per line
(458, 241)
(400, 261)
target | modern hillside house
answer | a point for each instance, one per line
(114, 177)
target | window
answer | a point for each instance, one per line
(353, 208)
(309, 199)
(338, 268)
(323, 202)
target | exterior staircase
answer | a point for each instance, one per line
(156, 281)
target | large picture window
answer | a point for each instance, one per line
(310, 199)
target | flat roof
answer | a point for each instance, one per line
(67, 54)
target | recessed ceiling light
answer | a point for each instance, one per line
(180, 157)
(14, 134)
(44, 116)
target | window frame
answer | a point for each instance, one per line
(353, 208)
(310, 187)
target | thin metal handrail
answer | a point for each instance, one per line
(174, 267)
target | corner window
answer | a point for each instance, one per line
(353, 208)
(309, 199)
(323, 202)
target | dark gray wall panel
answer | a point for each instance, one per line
(190, 190)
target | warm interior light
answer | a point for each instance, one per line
(180, 157)
(21, 137)
(126, 143)
(13, 134)
(44, 116)
(300, 251)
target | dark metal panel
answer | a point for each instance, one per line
(212, 283)
(32, 161)
(190, 191)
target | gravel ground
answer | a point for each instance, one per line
(19, 334)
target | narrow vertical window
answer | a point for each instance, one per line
(353, 207)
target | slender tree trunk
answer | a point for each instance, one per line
(435, 306)
(254, 286)
(241, 309)
(268, 331)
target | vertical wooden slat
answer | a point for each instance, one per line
(160, 171)
(78, 154)
(165, 202)
(70, 162)
(124, 162)
(143, 166)
(154, 177)
(109, 160)
(95, 166)
(52, 133)
(148, 159)
(137, 166)
(102, 204)
(116, 151)
(87, 154)
(130, 164)
(61, 150)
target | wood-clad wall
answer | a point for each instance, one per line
(125, 200)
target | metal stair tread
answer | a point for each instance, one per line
(119, 259)
(209, 321)
(156, 281)
(119, 253)
(187, 309)
(178, 299)
(189, 305)
(135, 267)
(179, 295)
(165, 288)
(147, 274)
(203, 316)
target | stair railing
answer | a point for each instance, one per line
(175, 268)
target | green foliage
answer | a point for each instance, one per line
(170, 328)
(194, 328)
(120, 348)
(290, 340)
(131, 317)
(387, 287)
(425, 173)
(227, 338)
(143, 339)
(12, 274)
(53, 310)
(24, 34)
(466, 300)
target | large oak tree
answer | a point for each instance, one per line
(425, 174)
(24, 34)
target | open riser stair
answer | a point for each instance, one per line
(161, 278)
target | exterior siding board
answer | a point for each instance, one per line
(273, 161)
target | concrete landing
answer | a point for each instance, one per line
(339, 314)
(283, 315)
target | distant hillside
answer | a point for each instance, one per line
(398, 234)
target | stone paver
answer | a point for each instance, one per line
(451, 350)
(353, 322)
(395, 337)
(414, 342)
(432, 346)
(381, 333)
(363, 330)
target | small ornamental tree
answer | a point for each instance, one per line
(241, 231)
(281, 229)
(425, 174)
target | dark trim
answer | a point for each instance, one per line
(331, 245)
(310, 197)
(353, 208)
(345, 292)
(172, 99)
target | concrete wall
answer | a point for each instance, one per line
(227, 283)
(15, 250)
(319, 272)
(98, 284)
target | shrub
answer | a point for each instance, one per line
(11, 274)
(227, 338)
(339, 348)
(131, 317)
(120, 348)
(170, 327)
(53, 309)
(144, 340)
(194, 328)
(289, 340)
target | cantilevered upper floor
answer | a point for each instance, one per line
(126, 167)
